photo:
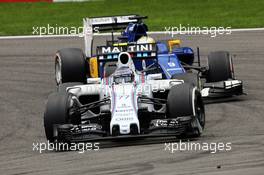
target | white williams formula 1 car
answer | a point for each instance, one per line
(124, 103)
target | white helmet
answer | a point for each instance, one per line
(145, 39)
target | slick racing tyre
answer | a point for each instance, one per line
(57, 112)
(70, 66)
(185, 100)
(220, 66)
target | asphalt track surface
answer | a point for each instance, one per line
(27, 77)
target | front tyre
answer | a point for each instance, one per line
(57, 112)
(185, 100)
(220, 66)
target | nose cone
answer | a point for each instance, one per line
(124, 108)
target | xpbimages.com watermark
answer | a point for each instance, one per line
(212, 147)
(62, 30)
(80, 147)
(196, 30)
(168, 30)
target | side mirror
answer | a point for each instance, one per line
(172, 43)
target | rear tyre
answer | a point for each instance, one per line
(220, 66)
(185, 100)
(70, 66)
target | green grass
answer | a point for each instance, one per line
(19, 18)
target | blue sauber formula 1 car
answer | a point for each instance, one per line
(133, 86)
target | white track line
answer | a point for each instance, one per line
(107, 34)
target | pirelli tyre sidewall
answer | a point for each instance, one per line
(185, 100)
(70, 66)
(56, 112)
(219, 66)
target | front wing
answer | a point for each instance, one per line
(220, 89)
(69, 133)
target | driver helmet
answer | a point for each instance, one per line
(145, 39)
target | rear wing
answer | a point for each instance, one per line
(137, 51)
(107, 23)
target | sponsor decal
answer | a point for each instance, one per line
(124, 119)
(130, 48)
(171, 64)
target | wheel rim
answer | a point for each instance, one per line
(58, 76)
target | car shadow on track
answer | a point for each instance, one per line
(145, 141)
